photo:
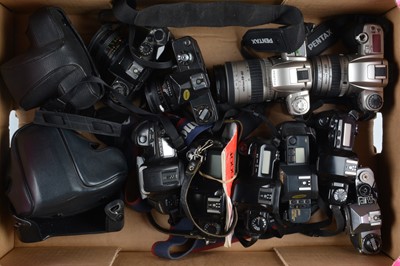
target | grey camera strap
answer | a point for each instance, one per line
(222, 14)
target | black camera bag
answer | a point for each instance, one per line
(63, 184)
(55, 67)
(57, 172)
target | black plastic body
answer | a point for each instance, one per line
(188, 84)
(160, 171)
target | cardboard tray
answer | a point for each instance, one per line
(132, 245)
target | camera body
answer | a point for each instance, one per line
(189, 83)
(256, 193)
(209, 207)
(160, 171)
(337, 164)
(362, 75)
(264, 157)
(206, 197)
(364, 216)
(252, 81)
(123, 71)
(299, 179)
(336, 130)
(294, 78)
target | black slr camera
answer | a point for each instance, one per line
(363, 215)
(256, 193)
(160, 171)
(206, 198)
(300, 182)
(189, 83)
(337, 164)
(125, 68)
(336, 130)
(362, 75)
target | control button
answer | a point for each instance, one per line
(372, 243)
(292, 140)
(374, 102)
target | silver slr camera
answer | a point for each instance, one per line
(364, 217)
(294, 77)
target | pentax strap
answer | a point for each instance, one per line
(287, 38)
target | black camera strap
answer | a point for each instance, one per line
(247, 243)
(316, 229)
(222, 14)
(177, 140)
(77, 122)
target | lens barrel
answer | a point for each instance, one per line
(161, 96)
(240, 82)
(106, 46)
(329, 76)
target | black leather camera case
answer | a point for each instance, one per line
(58, 173)
(56, 66)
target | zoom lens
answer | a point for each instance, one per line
(110, 51)
(161, 96)
(330, 76)
(243, 82)
(255, 81)
(107, 45)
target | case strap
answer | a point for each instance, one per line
(78, 122)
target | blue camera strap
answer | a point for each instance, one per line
(166, 249)
(176, 246)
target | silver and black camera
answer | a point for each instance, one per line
(188, 84)
(298, 176)
(364, 216)
(160, 171)
(294, 78)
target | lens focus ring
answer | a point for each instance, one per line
(256, 77)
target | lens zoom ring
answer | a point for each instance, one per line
(336, 77)
(256, 81)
